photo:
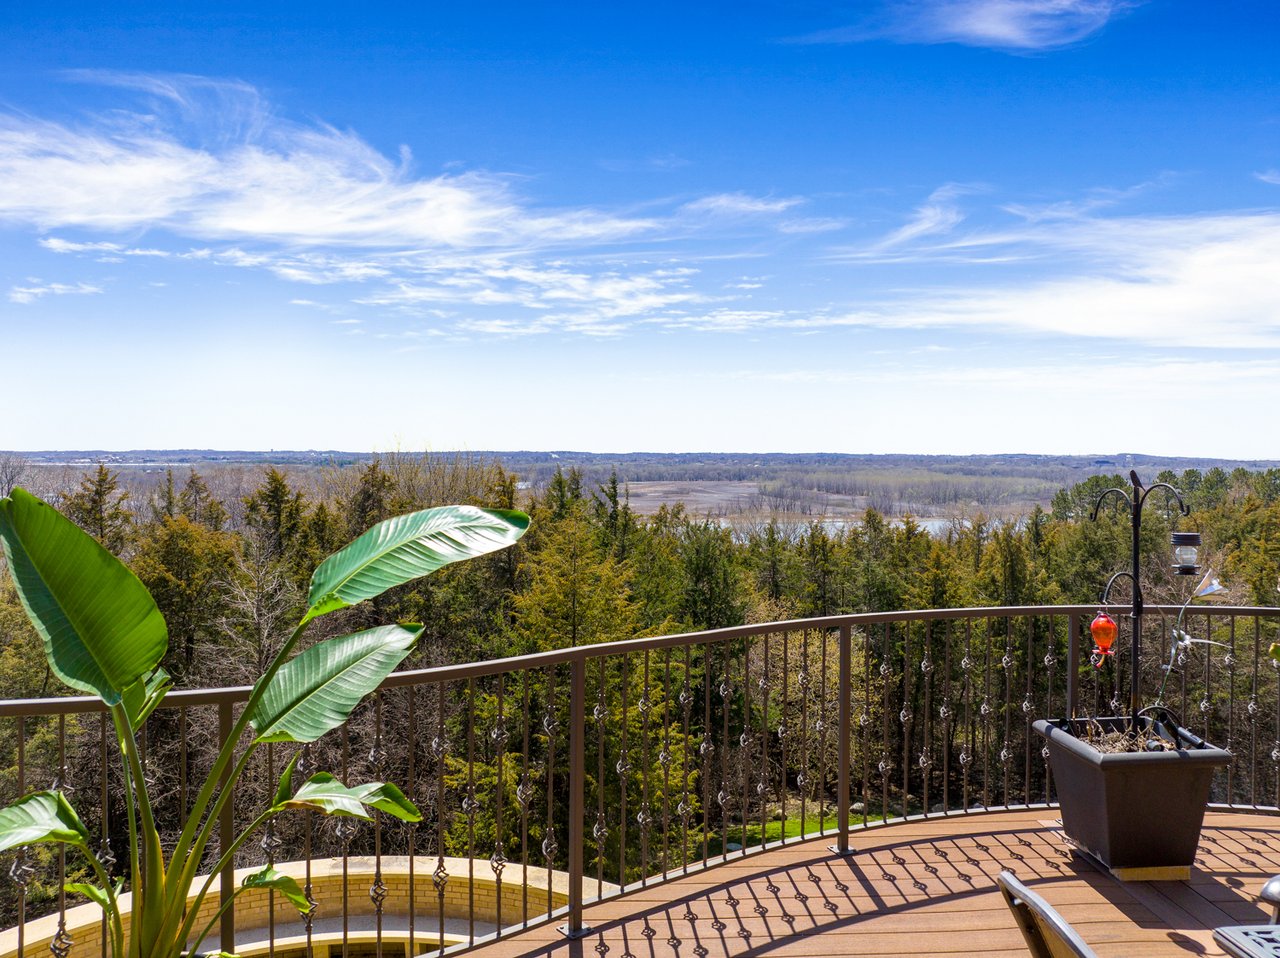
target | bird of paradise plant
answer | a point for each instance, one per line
(104, 635)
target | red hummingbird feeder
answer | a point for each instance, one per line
(1103, 628)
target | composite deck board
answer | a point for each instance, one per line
(925, 887)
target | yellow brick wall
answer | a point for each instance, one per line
(471, 883)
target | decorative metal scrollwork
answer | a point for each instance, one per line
(21, 870)
(106, 856)
(378, 893)
(499, 734)
(498, 861)
(440, 877)
(62, 941)
(346, 830)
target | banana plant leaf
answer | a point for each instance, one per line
(324, 793)
(95, 893)
(101, 628)
(141, 698)
(315, 691)
(270, 878)
(408, 547)
(41, 817)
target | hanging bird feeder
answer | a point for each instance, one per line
(1103, 629)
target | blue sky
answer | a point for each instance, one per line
(945, 226)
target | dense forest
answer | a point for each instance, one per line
(229, 567)
(229, 564)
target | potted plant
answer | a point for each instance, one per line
(1132, 789)
(103, 635)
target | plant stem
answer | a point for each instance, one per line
(194, 905)
(190, 830)
(113, 912)
(180, 886)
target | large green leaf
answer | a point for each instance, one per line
(41, 817)
(324, 793)
(101, 628)
(316, 691)
(408, 547)
(269, 877)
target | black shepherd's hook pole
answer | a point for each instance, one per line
(1135, 500)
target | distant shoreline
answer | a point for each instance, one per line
(1103, 461)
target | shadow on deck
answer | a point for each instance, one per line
(925, 887)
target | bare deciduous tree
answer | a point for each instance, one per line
(13, 471)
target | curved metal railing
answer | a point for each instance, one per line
(621, 765)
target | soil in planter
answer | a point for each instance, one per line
(1116, 742)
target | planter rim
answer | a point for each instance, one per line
(1058, 732)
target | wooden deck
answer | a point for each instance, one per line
(926, 888)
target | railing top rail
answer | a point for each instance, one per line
(187, 698)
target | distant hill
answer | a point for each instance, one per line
(535, 465)
(733, 486)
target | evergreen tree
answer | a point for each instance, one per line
(98, 507)
(200, 505)
(164, 504)
(563, 492)
(576, 595)
(371, 501)
(186, 567)
(276, 514)
(614, 518)
(712, 596)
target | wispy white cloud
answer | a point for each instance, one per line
(1269, 176)
(740, 204)
(534, 298)
(57, 245)
(939, 214)
(37, 290)
(1015, 25)
(662, 163)
(207, 170)
(1094, 201)
(218, 165)
(812, 224)
(1192, 281)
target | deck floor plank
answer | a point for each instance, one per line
(925, 887)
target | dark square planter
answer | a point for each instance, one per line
(1138, 813)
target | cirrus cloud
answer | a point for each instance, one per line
(1013, 25)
